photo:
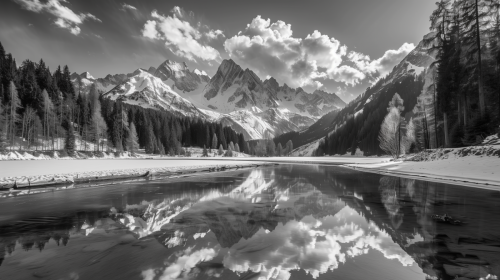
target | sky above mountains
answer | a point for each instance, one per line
(337, 46)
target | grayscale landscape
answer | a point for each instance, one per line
(267, 140)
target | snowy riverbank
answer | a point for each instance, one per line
(26, 173)
(474, 166)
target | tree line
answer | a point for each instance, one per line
(466, 42)
(40, 110)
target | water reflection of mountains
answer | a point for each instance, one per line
(271, 198)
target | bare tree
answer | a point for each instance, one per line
(389, 135)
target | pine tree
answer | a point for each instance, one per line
(69, 144)
(15, 105)
(475, 15)
(279, 150)
(214, 141)
(270, 149)
(222, 138)
(133, 140)
(48, 109)
(289, 147)
(221, 150)
(237, 148)
(242, 143)
(207, 136)
(205, 152)
(3, 126)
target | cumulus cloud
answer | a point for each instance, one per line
(64, 16)
(383, 65)
(182, 35)
(270, 49)
(149, 30)
(214, 34)
(128, 7)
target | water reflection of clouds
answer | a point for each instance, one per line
(182, 267)
(313, 245)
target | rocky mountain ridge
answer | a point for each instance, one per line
(236, 97)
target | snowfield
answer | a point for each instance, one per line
(471, 166)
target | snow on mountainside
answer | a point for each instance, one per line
(257, 124)
(147, 90)
(83, 82)
(234, 96)
(179, 77)
(233, 88)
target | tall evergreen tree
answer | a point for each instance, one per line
(214, 141)
(69, 143)
(14, 106)
(475, 15)
(132, 139)
(279, 150)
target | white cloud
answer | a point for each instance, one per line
(128, 7)
(271, 50)
(384, 64)
(182, 36)
(65, 17)
(214, 34)
(347, 74)
(149, 30)
(90, 16)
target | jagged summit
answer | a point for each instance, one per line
(87, 75)
(233, 88)
(147, 90)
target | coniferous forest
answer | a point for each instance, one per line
(464, 85)
(40, 110)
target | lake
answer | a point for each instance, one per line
(281, 222)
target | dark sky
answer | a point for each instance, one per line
(105, 37)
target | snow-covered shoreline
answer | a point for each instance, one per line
(472, 166)
(70, 172)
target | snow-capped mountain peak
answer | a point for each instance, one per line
(200, 73)
(146, 90)
(87, 75)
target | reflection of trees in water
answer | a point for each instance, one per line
(389, 188)
(34, 234)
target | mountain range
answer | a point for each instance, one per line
(235, 97)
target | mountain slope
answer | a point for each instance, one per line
(147, 90)
(179, 77)
(358, 124)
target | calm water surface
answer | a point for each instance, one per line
(283, 222)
